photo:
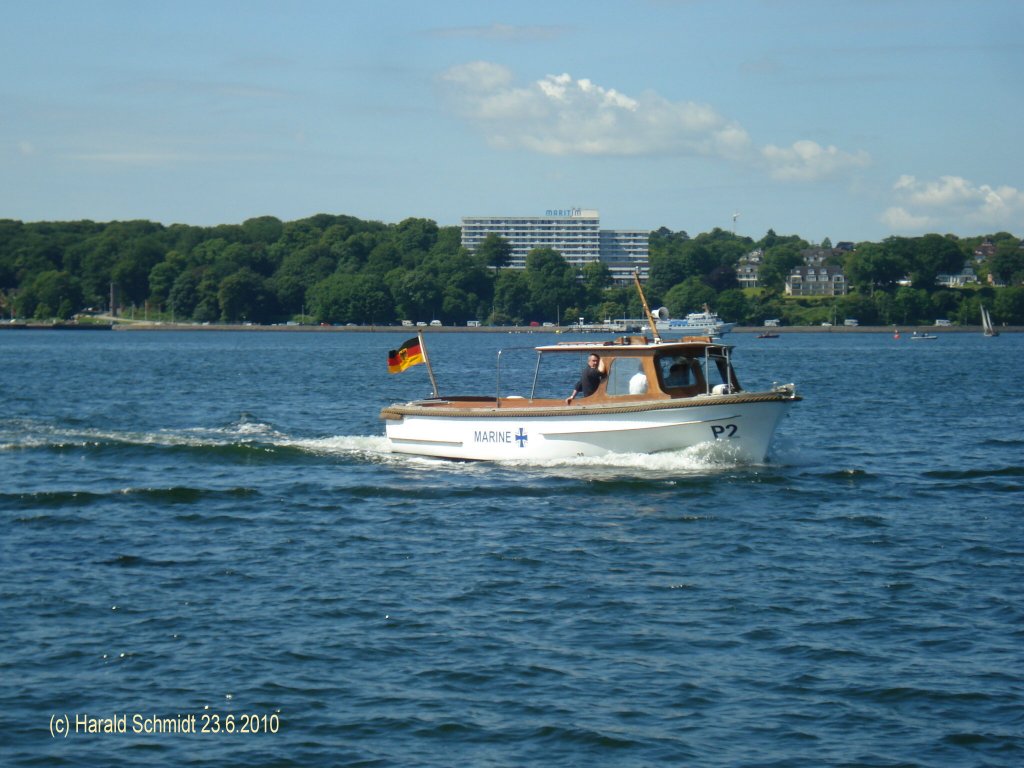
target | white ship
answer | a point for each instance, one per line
(695, 323)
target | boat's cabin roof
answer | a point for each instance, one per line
(635, 346)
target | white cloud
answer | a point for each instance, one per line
(560, 115)
(951, 202)
(563, 115)
(900, 219)
(478, 77)
(809, 161)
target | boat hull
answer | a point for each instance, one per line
(744, 423)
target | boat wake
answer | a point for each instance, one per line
(244, 434)
(247, 436)
(698, 459)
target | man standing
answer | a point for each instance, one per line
(590, 379)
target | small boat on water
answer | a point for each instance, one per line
(649, 396)
(654, 396)
(986, 323)
(915, 336)
(767, 335)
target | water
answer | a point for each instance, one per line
(210, 524)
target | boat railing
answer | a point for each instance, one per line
(720, 353)
(497, 384)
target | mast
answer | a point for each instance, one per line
(647, 309)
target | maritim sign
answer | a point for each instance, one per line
(571, 213)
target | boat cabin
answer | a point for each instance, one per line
(638, 369)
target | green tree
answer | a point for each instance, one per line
(463, 280)
(552, 283)
(355, 251)
(935, 255)
(666, 268)
(51, 294)
(733, 306)
(418, 294)
(689, 296)
(912, 306)
(298, 273)
(857, 306)
(778, 262)
(1009, 306)
(244, 296)
(872, 266)
(945, 303)
(184, 294)
(676, 260)
(1007, 263)
(131, 271)
(495, 251)
(414, 238)
(885, 307)
(163, 275)
(97, 259)
(359, 299)
(597, 278)
(384, 257)
(263, 229)
(511, 298)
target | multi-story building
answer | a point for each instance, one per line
(749, 268)
(574, 232)
(816, 281)
(625, 251)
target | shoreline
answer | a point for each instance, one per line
(141, 325)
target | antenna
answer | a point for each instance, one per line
(734, 217)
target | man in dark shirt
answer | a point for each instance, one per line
(590, 379)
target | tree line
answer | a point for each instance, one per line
(341, 269)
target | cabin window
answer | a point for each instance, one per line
(627, 377)
(676, 372)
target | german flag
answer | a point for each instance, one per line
(406, 355)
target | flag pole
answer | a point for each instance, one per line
(430, 371)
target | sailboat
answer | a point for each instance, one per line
(986, 323)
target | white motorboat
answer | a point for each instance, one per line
(655, 396)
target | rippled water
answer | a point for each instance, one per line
(210, 524)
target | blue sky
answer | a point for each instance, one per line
(852, 120)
